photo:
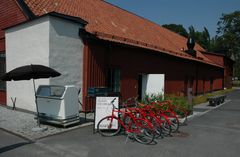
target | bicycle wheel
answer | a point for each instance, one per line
(166, 126)
(182, 119)
(174, 124)
(108, 126)
(171, 115)
(156, 124)
(144, 132)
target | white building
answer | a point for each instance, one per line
(51, 40)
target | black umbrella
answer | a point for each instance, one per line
(30, 72)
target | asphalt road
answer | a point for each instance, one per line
(214, 134)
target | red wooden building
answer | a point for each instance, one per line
(120, 46)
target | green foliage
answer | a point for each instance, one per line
(227, 40)
(203, 98)
(192, 32)
(202, 38)
(236, 83)
(179, 29)
(229, 36)
(177, 101)
(152, 98)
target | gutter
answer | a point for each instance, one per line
(113, 38)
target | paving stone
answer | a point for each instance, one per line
(22, 124)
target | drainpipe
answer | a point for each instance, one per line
(197, 69)
(223, 76)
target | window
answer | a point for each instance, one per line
(2, 70)
(113, 79)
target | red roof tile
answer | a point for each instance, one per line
(112, 23)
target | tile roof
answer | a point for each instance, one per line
(112, 23)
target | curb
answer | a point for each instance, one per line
(61, 132)
(33, 140)
(18, 135)
(197, 114)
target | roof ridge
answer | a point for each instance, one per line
(133, 14)
(145, 19)
(148, 21)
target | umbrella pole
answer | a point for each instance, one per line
(38, 121)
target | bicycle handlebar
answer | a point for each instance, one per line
(113, 100)
(114, 107)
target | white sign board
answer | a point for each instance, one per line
(104, 108)
(153, 84)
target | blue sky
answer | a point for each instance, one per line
(198, 13)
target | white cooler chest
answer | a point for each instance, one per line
(58, 104)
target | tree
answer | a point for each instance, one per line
(202, 38)
(205, 39)
(192, 32)
(229, 33)
(177, 29)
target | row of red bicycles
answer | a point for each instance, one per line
(143, 122)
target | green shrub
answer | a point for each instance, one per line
(177, 101)
(236, 83)
(203, 98)
(152, 98)
(180, 102)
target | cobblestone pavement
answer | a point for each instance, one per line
(22, 123)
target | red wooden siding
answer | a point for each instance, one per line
(2, 45)
(228, 66)
(93, 72)
(3, 97)
(134, 61)
(219, 59)
(205, 74)
(228, 72)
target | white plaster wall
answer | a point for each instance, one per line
(66, 52)
(49, 41)
(26, 44)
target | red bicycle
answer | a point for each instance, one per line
(162, 109)
(160, 121)
(180, 112)
(138, 128)
(157, 118)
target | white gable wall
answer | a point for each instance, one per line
(26, 44)
(48, 41)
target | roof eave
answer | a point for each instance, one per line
(151, 47)
(67, 17)
(54, 14)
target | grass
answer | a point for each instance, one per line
(182, 102)
(203, 98)
(236, 83)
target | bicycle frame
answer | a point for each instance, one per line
(128, 128)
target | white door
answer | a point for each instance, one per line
(153, 84)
